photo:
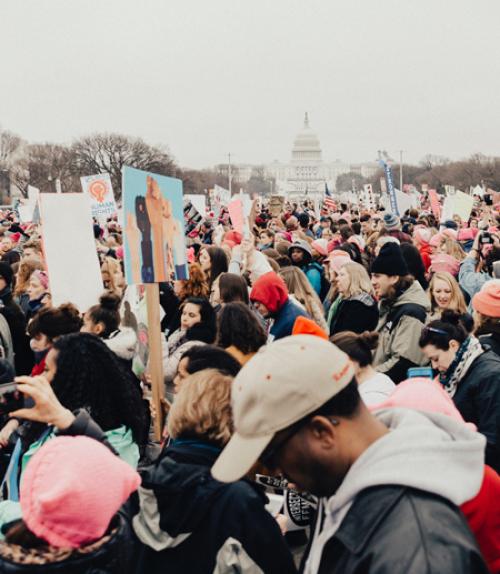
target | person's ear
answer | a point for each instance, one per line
(454, 345)
(323, 430)
(99, 328)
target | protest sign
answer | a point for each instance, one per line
(33, 194)
(235, 208)
(463, 205)
(435, 205)
(99, 190)
(220, 197)
(192, 217)
(69, 249)
(155, 244)
(198, 201)
(276, 203)
(26, 211)
(390, 186)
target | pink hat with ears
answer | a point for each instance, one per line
(71, 490)
(42, 277)
(451, 233)
(422, 234)
(435, 240)
(338, 259)
(423, 395)
(444, 262)
(321, 246)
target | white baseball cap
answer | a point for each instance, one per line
(283, 383)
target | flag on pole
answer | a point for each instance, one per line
(328, 201)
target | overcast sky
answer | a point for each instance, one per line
(206, 77)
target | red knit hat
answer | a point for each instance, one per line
(487, 301)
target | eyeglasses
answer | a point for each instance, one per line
(268, 457)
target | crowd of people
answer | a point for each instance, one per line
(342, 366)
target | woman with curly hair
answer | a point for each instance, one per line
(23, 276)
(195, 286)
(84, 374)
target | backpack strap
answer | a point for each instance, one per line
(409, 309)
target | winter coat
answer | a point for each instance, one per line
(23, 355)
(478, 399)
(112, 554)
(358, 313)
(188, 522)
(400, 326)
(6, 345)
(397, 510)
(284, 320)
(123, 343)
(469, 279)
(491, 341)
(400, 235)
(425, 254)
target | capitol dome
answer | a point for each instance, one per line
(306, 146)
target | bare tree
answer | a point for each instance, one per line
(108, 153)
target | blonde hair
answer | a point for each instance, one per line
(112, 267)
(359, 280)
(457, 301)
(452, 247)
(298, 285)
(202, 408)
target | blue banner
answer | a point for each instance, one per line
(390, 186)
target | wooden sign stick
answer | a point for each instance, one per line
(155, 354)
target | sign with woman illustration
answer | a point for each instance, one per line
(155, 247)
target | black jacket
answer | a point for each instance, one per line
(356, 315)
(23, 355)
(401, 530)
(202, 520)
(478, 399)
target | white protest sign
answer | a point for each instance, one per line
(457, 203)
(70, 250)
(198, 201)
(99, 190)
(221, 198)
(26, 212)
(33, 194)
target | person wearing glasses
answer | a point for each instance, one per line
(468, 373)
(389, 485)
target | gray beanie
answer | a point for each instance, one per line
(391, 221)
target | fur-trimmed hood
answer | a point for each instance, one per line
(123, 343)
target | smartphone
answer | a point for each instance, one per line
(425, 372)
(10, 398)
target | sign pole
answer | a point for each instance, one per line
(155, 354)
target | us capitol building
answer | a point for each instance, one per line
(306, 173)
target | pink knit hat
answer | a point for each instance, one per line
(487, 301)
(42, 277)
(321, 246)
(466, 234)
(422, 234)
(444, 262)
(423, 395)
(451, 233)
(435, 240)
(338, 259)
(72, 488)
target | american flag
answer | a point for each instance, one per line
(328, 201)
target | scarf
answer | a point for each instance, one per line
(468, 352)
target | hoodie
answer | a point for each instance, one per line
(425, 451)
(271, 291)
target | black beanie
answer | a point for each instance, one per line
(390, 261)
(6, 272)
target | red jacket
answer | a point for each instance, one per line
(425, 253)
(483, 515)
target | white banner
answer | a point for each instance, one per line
(69, 249)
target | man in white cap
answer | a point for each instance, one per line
(389, 485)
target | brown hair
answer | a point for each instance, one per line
(24, 273)
(55, 321)
(233, 288)
(359, 347)
(197, 284)
(107, 313)
(202, 408)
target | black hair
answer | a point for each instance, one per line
(202, 357)
(356, 227)
(364, 218)
(359, 347)
(90, 376)
(238, 326)
(206, 329)
(233, 288)
(345, 232)
(415, 264)
(107, 313)
(55, 321)
(452, 326)
(218, 262)
(345, 403)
